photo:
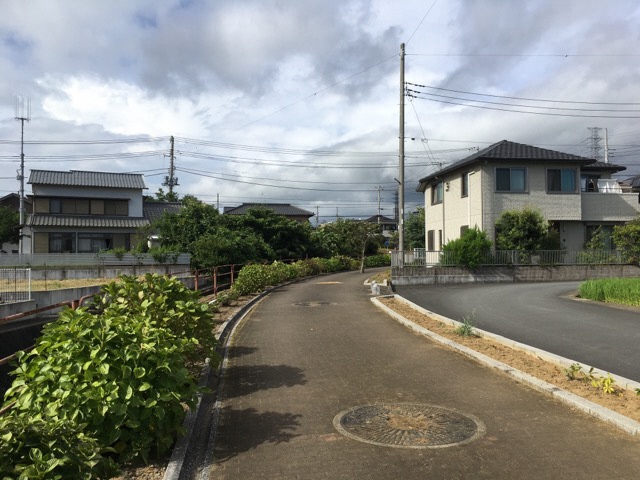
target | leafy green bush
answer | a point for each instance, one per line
(121, 376)
(164, 255)
(469, 250)
(381, 260)
(165, 301)
(33, 449)
(251, 279)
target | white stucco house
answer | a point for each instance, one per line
(576, 194)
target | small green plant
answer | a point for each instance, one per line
(572, 372)
(467, 329)
(606, 384)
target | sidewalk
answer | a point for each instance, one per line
(315, 349)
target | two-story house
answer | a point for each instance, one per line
(576, 194)
(84, 212)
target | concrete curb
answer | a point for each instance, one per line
(620, 421)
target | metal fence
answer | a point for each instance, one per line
(15, 285)
(420, 257)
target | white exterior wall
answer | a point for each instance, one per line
(133, 195)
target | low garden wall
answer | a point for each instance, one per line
(526, 273)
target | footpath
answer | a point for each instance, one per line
(320, 384)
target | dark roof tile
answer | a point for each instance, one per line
(76, 178)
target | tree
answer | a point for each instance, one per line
(627, 237)
(9, 225)
(414, 229)
(470, 249)
(352, 238)
(162, 196)
(524, 230)
(287, 239)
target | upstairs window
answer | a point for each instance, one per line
(561, 180)
(464, 188)
(511, 179)
(436, 193)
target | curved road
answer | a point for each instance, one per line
(545, 316)
(316, 348)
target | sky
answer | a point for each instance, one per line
(298, 101)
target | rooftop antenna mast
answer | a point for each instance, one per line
(23, 114)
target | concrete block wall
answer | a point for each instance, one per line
(529, 273)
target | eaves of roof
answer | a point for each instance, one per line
(506, 151)
(76, 178)
(39, 220)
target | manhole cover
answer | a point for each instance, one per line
(312, 304)
(408, 426)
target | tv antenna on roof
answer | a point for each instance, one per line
(23, 114)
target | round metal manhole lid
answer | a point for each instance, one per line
(408, 425)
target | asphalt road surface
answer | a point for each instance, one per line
(543, 315)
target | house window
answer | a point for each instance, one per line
(601, 236)
(464, 189)
(439, 239)
(436, 193)
(589, 183)
(62, 243)
(463, 229)
(94, 242)
(55, 205)
(561, 180)
(511, 180)
(430, 240)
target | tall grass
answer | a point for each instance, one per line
(615, 290)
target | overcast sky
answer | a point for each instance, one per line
(297, 101)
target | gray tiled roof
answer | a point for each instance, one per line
(154, 210)
(86, 221)
(512, 151)
(604, 166)
(76, 178)
(383, 220)
(279, 208)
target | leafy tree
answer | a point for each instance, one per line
(225, 247)
(352, 238)
(286, 238)
(627, 237)
(9, 225)
(468, 250)
(523, 230)
(162, 196)
(414, 229)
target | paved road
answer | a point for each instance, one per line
(543, 315)
(320, 347)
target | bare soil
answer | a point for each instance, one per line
(625, 402)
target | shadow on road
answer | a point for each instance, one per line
(239, 351)
(245, 380)
(244, 430)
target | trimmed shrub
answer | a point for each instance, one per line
(381, 260)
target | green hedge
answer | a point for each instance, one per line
(112, 382)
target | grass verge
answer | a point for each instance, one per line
(625, 291)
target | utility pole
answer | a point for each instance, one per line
(379, 189)
(23, 113)
(401, 161)
(606, 145)
(171, 180)
(317, 215)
